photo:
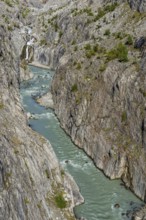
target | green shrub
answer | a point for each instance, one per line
(107, 32)
(10, 28)
(47, 173)
(25, 12)
(96, 48)
(55, 25)
(43, 42)
(1, 105)
(74, 63)
(100, 14)
(74, 88)
(120, 53)
(73, 42)
(60, 34)
(26, 201)
(129, 40)
(9, 3)
(102, 68)
(76, 48)
(7, 20)
(87, 47)
(90, 53)
(88, 11)
(60, 201)
(120, 35)
(106, 9)
(142, 92)
(78, 66)
(111, 7)
(124, 116)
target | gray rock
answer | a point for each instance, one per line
(30, 174)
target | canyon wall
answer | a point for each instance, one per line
(30, 175)
(98, 51)
(99, 96)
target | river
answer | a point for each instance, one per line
(100, 193)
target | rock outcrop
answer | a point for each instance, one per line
(139, 5)
(31, 178)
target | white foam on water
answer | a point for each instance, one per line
(47, 115)
(71, 163)
(30, 91)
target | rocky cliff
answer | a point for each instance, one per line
(31, 179)
(139, 5)
(99, 90)
(99, 86)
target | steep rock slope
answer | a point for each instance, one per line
(139, 5)
(99, 88)
(31, 180)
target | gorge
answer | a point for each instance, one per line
(98, 51)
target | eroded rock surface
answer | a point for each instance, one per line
(30, 175)
(139, 5)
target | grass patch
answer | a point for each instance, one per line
(124, 117)
(60, 201)
(1, 105)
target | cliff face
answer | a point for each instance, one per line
(30, 176)
(99, 87)
(139, 5)
(99, 90)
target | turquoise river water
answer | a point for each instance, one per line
(100, 193)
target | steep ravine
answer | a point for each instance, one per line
(99, 86)
(99, 97)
